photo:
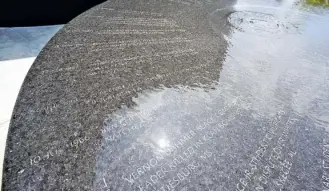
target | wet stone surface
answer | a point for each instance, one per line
(177, 95)
(260, 22)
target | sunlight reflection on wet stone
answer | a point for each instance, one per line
(190, 95)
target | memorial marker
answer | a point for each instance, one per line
(176, 95)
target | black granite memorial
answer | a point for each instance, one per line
(177, 95)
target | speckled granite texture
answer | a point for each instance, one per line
(173, 95)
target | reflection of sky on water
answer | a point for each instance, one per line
(284, 67)
(271, 69)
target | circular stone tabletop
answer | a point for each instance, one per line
(177, 95)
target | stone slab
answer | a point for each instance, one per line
(176, 95)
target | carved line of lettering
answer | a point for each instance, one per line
(155, 161)
(205, 138)
(172, 183)
(35, 160)
(116, 136)
(196, 1)
(284, 165)
(109, 69)
(130, 89)
(171, 150)
(161, 20)
(183, 174)
(175, 181)
(143, 114)
(72, 68)
(147, 112)
(263, 179)
(141, 32)
(129, 31)
(75, 143)
(171, 53)
(181, 140)
(180, 2)
(133, 85)
(129, 42)
(175, 53)
(52, 107)
(277, 155)
(137, 19)
(257, 156)
(159, 77)
(132, 12)
(276, 160)
(143, 23)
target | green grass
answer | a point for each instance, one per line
(318, 2)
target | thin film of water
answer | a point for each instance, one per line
(277, 60)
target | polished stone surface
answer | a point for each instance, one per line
(15, 46)
(177, 95)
